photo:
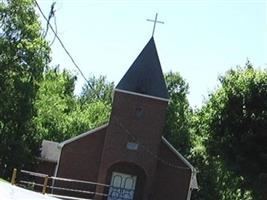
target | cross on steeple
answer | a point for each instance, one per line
(155, 21)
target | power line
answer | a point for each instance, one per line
(63, 46)
(51, 14)
(55, 23)
(119, 123)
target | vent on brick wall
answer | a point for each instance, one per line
(132, 146)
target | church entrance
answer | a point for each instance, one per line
(122, 186)
(126, 180)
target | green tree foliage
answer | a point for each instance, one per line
(225, 139)
(54, 103)
(215, 180)
(229, 140)
(178, 114)
(238, 124)
(100, 90)
(23, 55)
(60, 114)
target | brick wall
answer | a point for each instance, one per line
(147, 128)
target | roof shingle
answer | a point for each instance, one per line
(145, 74)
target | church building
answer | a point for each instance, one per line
(128, 157)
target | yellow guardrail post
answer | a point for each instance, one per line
(45, 184)
(14, 175)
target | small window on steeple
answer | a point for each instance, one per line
(139, 112)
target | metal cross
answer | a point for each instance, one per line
(155, 21)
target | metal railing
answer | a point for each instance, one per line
(62, 188)
(69, 189)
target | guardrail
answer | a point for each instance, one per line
(57, 186)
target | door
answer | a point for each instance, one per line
(122, 186)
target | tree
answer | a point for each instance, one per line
(99, 90)
(178, 115)
(215, 180)
(236, 122)
(23, 55)
(88, 116)
(54, 103)
(61, 115)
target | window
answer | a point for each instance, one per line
(139, 112)
(122, 186)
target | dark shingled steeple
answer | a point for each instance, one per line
(145, 74)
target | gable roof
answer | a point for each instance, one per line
(82, 135)
(49, 156)
(50, 151)
(145, 75)
(193, 181)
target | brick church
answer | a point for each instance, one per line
(130, 153)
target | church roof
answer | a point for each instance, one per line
(145, 75)
(193, 181)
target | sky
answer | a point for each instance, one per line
(199, 39)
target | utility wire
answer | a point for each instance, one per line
(119, 123)
(55, 24)
(63, 46)
(51, 14)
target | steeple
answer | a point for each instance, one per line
(145, 74)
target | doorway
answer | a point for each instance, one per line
(122, 186)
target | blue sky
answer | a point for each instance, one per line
(200, 39)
